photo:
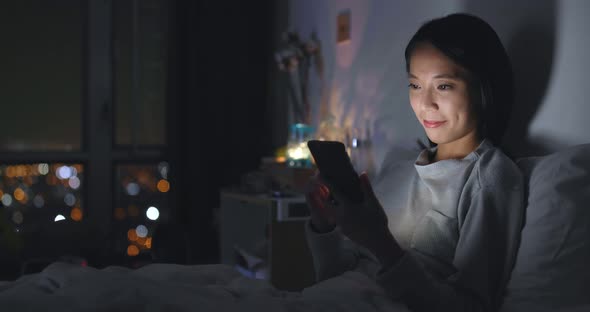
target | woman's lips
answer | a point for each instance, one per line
(433, 124)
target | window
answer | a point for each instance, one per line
(43, 75)
(141, 202)
(38, 193)
(85, 119)
(140, 69)
(140, 44)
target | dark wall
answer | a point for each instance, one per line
(220, 82)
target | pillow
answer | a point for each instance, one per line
(551, 272)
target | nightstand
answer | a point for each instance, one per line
(250, 221)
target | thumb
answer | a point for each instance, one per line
(366, 186)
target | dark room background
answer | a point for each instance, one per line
(114, 108)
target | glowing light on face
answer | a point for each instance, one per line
(440, 96)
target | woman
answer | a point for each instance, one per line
(446, 237)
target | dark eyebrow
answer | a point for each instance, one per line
(447, 76)
(439, 76)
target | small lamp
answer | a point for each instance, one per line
(298, 154)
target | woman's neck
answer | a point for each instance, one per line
(457, 149)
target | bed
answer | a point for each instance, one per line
(169, 287)
(551, 271)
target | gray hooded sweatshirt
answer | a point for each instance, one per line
(459, 221)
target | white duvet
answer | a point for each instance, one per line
(165, 287)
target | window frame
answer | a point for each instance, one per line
(99, 153)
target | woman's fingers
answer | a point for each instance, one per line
(317, 195)
(324, 190)
(325, 182)
(339, 197)
(328, 190)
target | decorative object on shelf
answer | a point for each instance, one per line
(295, 58)
(286, 180)
(298, 154)
(329, 130)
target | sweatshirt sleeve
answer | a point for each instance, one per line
(334, 254)
(489, 234)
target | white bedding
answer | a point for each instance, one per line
(165, 287)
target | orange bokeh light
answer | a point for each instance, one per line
(76, 214)
(132, 235)
(78, 168)
(148, 243)
(163, 186)
(141, 241)
(143, 177)
(120, 213)
(132, 250)
(19, 194)
(10, 172)
(20, 171)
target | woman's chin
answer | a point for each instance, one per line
(437, 139)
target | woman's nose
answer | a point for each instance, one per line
(427, 102)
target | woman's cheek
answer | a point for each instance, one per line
(414, 102)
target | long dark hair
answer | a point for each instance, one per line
(472, 43)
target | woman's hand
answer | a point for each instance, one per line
(365, 223)
(359, 221)
(320, 205)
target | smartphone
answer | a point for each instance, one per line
(335, 167)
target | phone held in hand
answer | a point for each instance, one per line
(336, 168)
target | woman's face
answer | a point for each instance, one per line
(441, 97)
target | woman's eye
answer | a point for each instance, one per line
(412, 86)
(445, 87)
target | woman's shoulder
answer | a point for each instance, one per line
(496, 169)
